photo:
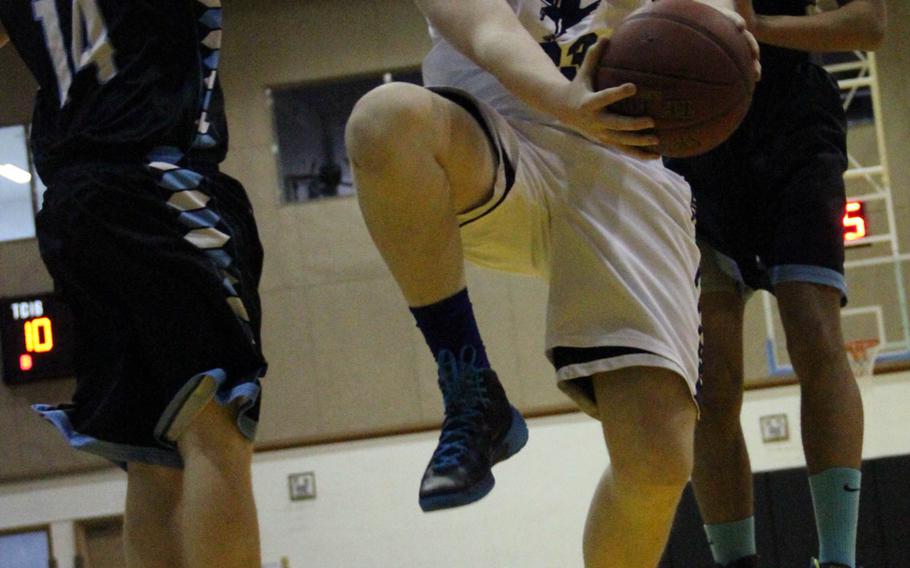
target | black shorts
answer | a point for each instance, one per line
(160, 266)
(772, 197)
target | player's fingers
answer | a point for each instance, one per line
(592, 58)
(626, 123)
(753, 43)
(756, 54)
(737, 19)
(637, 152)
(637, 139)
(608, 96)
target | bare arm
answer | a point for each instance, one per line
(860, 24)
(4, 39)
(489, 33)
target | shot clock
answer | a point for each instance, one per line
(855, 224)
(36, 338)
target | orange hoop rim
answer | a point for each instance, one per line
(858, 347)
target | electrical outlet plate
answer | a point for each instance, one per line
(302, 486)
(774, 428)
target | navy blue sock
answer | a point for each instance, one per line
(450, 325)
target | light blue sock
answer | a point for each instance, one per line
(835, 496)
(731, 541)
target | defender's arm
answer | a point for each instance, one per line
(857, 24)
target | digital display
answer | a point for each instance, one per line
(36, 339)
(855, 224)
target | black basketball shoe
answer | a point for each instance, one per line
(816, 564)
(480, 429)
(744, 562)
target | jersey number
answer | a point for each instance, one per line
(90, 43)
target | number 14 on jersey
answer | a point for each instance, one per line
(90, 45)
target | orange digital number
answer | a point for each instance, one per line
(854, 221)
(39, 335)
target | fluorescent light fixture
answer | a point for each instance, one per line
(15, 174)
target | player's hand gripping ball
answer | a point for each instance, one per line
(694, 68)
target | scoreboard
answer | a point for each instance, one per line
(36, 338)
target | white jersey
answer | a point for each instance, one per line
(565, 30)
(614, 236)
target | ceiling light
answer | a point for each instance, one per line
(15, 173)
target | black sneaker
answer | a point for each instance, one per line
(744, 562)
(480, 430)
(816, 564)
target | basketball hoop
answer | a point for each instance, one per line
(862, 354)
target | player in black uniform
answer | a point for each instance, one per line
(157, 254)
(770, 207)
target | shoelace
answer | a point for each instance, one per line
(465, 395)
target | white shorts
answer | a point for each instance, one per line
(614, 236)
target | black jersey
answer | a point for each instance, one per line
(118, 78)
(781, 7)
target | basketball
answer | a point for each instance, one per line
(693, 69)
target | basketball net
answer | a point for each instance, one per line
(862, 353)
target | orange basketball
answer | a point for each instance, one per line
(693, 69)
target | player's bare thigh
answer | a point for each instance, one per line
(648, 419)
(397, 124)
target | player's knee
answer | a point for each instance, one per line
(660, 455)
(651, 434)
(657, 465)
(384, 120)
(817, 352)
(721, 396)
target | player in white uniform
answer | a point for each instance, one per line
(507, 162)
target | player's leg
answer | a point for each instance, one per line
(648, 421)
(218, 513)
(722, 475)
(831, 412)
(151, 531)
(419, 160)
(806, 272)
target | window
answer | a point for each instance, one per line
(20, 188)
(852, 69)
(309, 123)
(25, 549)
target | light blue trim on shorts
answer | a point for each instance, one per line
(244, 395)
(719, 272)
(808, 273)
(120, 454)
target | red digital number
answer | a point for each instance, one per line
(855, 226)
